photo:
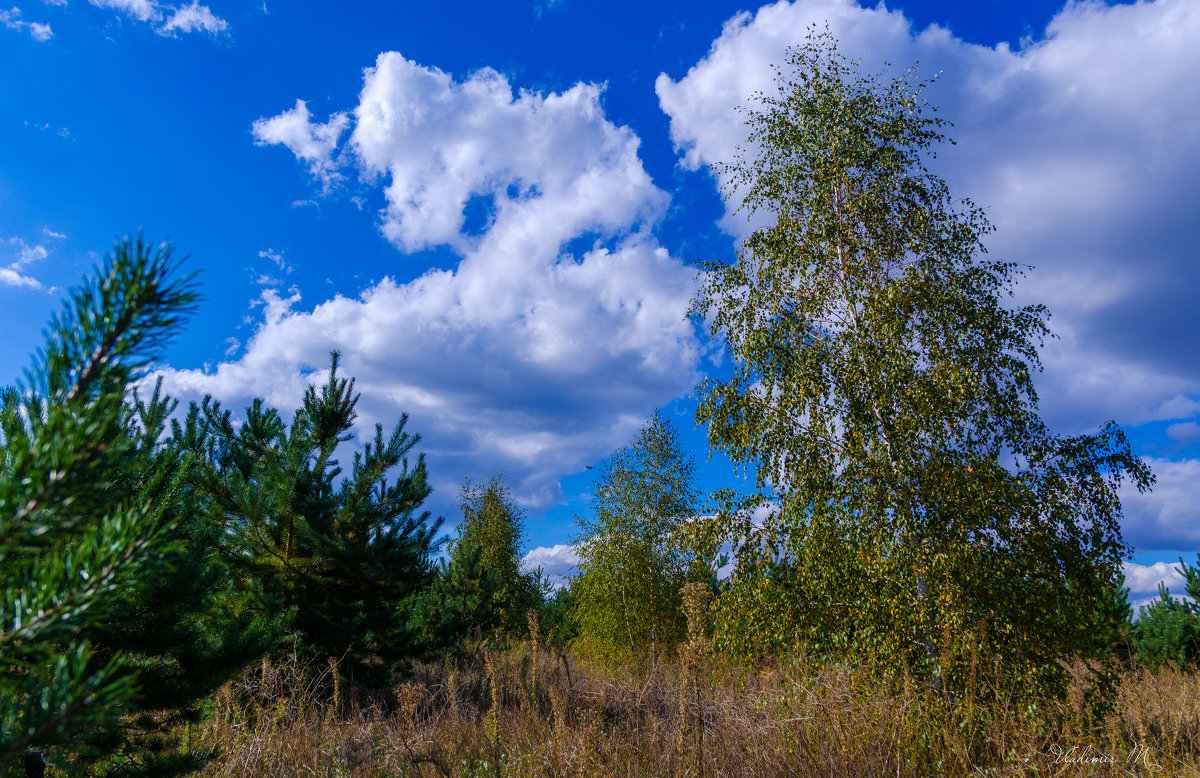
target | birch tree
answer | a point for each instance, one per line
(882, 390)
(632, 561)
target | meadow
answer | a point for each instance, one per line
(534, 711)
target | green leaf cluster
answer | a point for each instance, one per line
(911, 505)
(636, 549)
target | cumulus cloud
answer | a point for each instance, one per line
(557, 562)
(310, 141)
(549, 161)
(12, 20)
(40, 32)
(1185, 432)
(1143, 580)
(563, 321)
(1169, 516)
(10, 277)
(142, 10)
(1083, 147)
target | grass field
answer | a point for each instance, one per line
(525, 712)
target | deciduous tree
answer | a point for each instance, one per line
(480, 590)
(882, 389)
(633, 555)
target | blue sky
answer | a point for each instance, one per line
(489, 207)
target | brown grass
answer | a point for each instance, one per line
(545, 713)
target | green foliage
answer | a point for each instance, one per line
(462, 603)
(495, 524)
(1112, 636)
(634, 554)
(915, 503)
(480, 589)
(345, 561)
(184, 631)
(76, 530)
(557, 616)
(1169, 629)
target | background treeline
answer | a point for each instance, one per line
(198, 590)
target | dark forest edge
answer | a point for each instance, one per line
(180, 587)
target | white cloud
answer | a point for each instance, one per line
(562, 324)
(1184, 432)
(142, 10)
(267, 278)
(182, 19)
(1169, 516)
(488, 143)
(27, 253)
(12, 20)
(1084, 147)
(23, 254)
(557, 562)
(277, 258)
(195, 17)
(10, 277)
(1142, 580)
(1178, 407)
(314, 143)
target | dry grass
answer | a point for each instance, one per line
(539, 713)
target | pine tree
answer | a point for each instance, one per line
(73, 534)
(184, 631)
(463, 603)
(348, 560)
(480, 589)
(558, 616)
(1168, 630)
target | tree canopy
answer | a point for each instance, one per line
(481, 590)
(633, 554)
(883, 391)
(346, 559)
